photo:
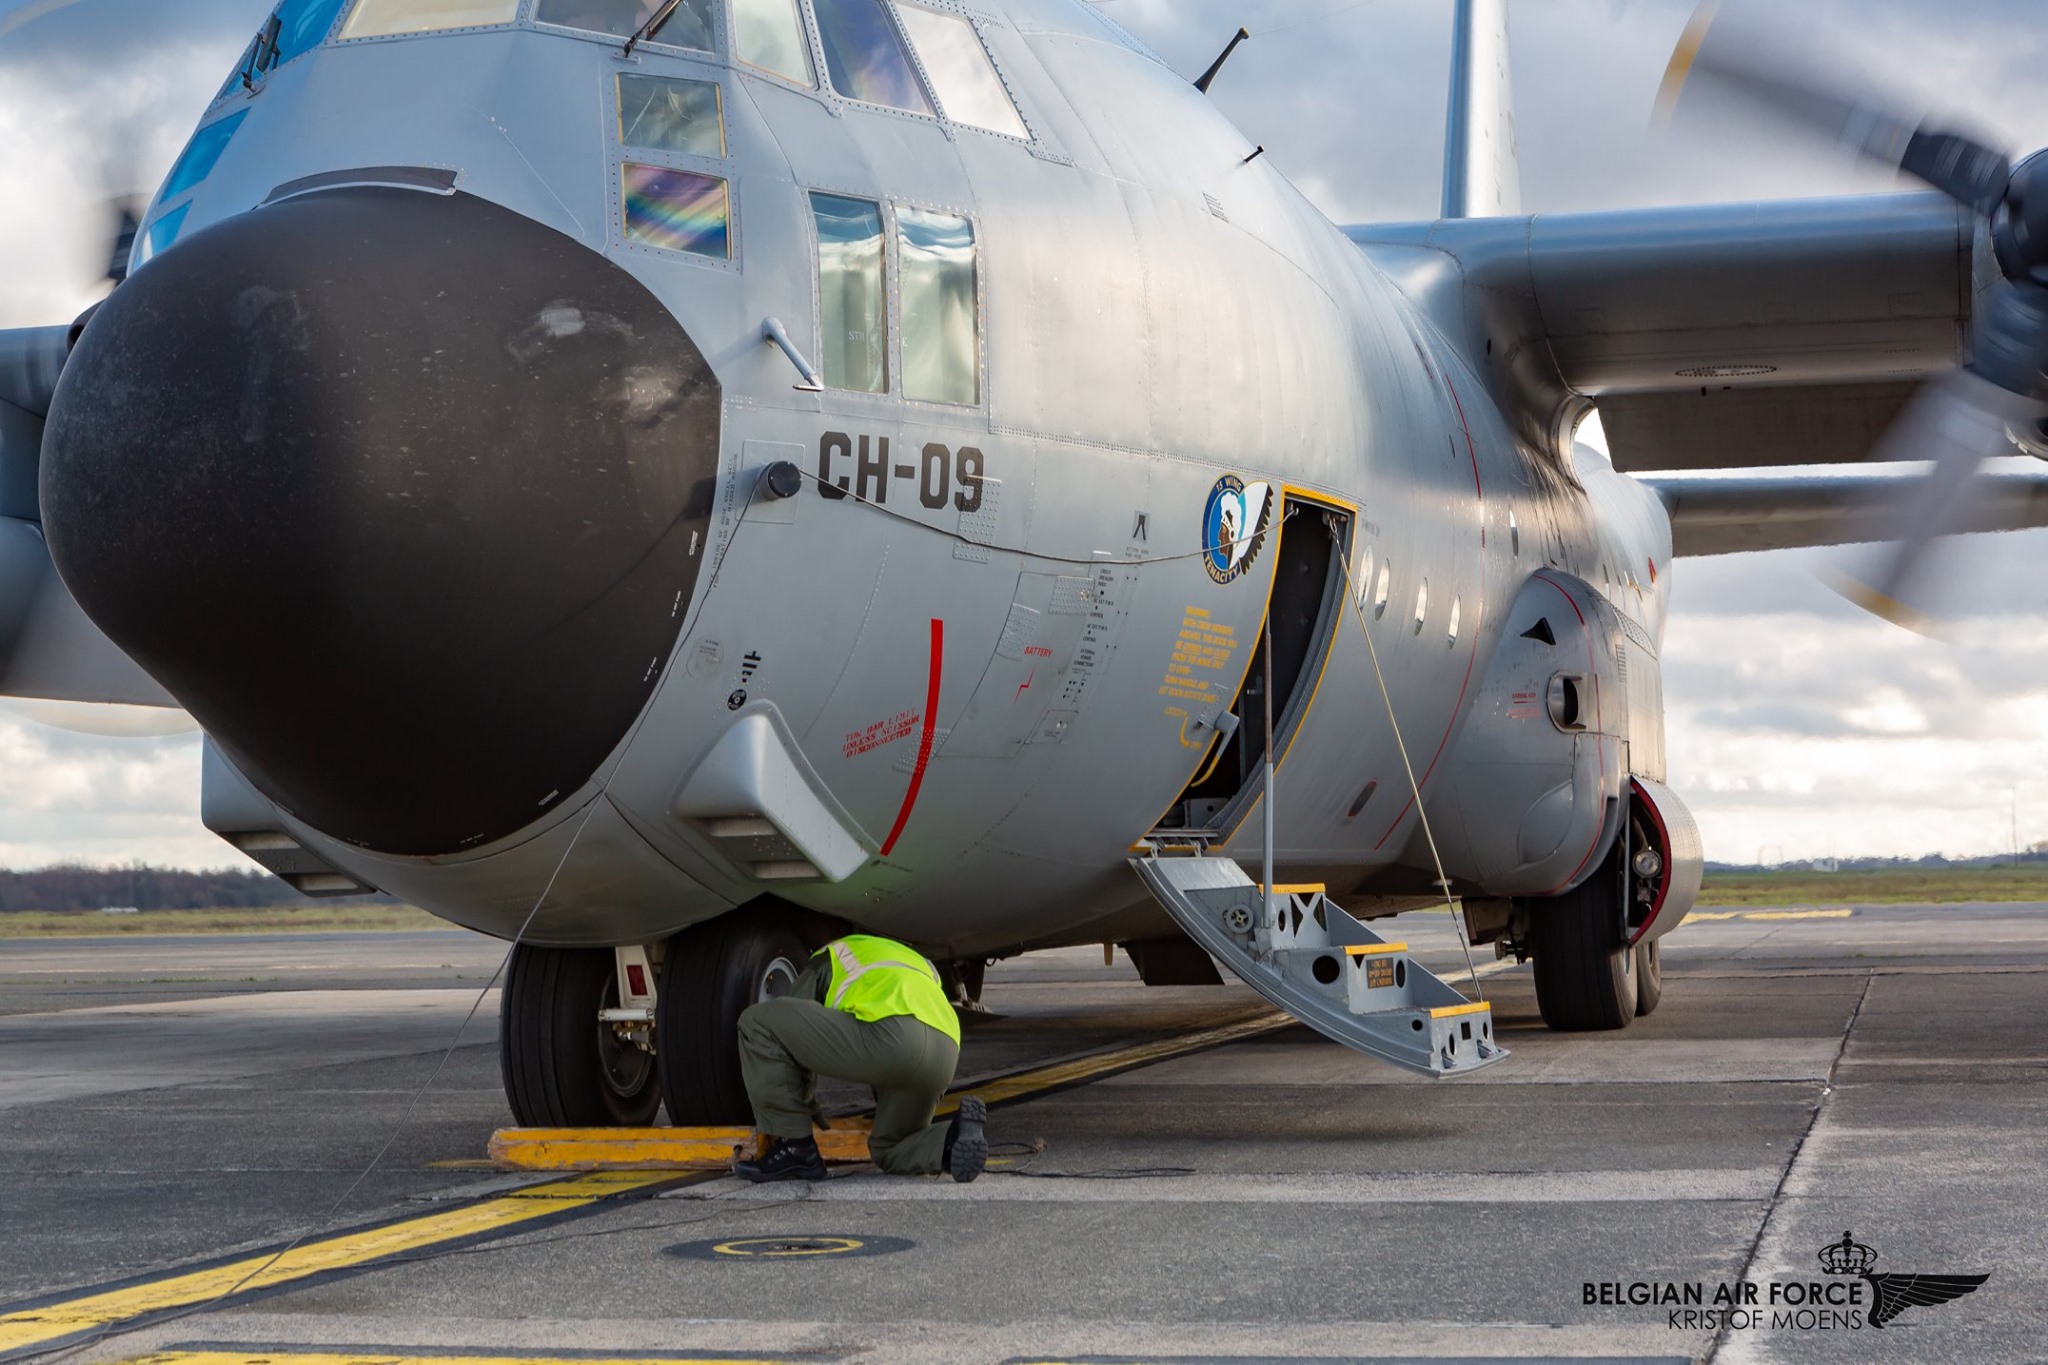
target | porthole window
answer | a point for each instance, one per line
(1421, 604)
(1457, 603)
(941, 338)
(1364, 577)
(672, 115)
(865, 57)
(853, 310)
(676, 210)
(769, 34)
(962, 75)
(689, 26)
(382, 18)
(1514, 534)
(1381, 589)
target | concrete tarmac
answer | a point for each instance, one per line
(1884, 1072)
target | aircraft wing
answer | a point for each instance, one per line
(48, 649)
(1709, 337)
(1718, 512)
(1743, 357)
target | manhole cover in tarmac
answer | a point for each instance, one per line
(791, 1248)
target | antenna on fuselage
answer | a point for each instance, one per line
(1482, 178)
(1202, 81)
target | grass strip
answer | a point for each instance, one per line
(310, 918)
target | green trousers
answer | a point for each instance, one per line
(786, 1043)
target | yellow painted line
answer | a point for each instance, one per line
(29, 1327)
(1006, 1088)
(1843, 913)
(1797, 914)
(346, 1357)
(1298, 889)
(1447, 1011)
(1374, 949)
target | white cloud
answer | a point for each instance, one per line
(71, 797)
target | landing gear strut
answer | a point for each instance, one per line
(563, 1066)
(712, 973)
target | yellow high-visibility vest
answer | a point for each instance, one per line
(879, 978)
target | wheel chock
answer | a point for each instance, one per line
(657, 1149)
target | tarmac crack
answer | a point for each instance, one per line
(1820, 1104)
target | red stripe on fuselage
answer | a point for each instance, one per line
(924, 739)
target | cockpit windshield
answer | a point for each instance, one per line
(865, 57)
(689, 26)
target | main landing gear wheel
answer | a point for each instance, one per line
(712, 973)
(1649, 977)
(1586, 975)
(564, 1068)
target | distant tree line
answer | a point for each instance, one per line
(69, 886)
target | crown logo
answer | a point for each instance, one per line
(1847, 1257)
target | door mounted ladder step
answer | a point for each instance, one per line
(1308, 956)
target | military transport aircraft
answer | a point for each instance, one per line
(658, 480)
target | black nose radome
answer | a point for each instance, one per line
(401, 494)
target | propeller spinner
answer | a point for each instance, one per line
(1960, 420)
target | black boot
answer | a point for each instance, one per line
(967, 1140)
(788, 1159)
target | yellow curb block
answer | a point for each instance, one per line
(656, 1149)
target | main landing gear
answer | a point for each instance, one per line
(1588, 976)
(578, 1052)
(564, 1066)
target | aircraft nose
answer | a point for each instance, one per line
(401, 494)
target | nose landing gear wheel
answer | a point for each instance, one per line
(713, 972)
(564, 1068)
(1586, 978)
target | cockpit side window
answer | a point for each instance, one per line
(302, 26)
(865, 57)
(941, 338)
(853, 307)
(671, 114)
(962, 75)
(770, 34)
(690, 26)
(676, 210)
(381, 18)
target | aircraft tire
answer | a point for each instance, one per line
(1585, 979)
(1649, 977)
(713, 972)
(562, 1068)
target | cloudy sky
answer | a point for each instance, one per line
(1798, 727)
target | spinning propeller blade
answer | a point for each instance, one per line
(1961, 420)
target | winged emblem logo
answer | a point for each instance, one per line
(1893, 1294)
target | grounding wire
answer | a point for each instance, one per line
(1414, 788)
(1100, 560)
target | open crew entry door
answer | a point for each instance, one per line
(1302, 610)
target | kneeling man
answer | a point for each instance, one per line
(873, 1011)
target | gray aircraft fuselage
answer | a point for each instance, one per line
(981, 651)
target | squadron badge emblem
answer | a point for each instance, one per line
(1234, 526)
